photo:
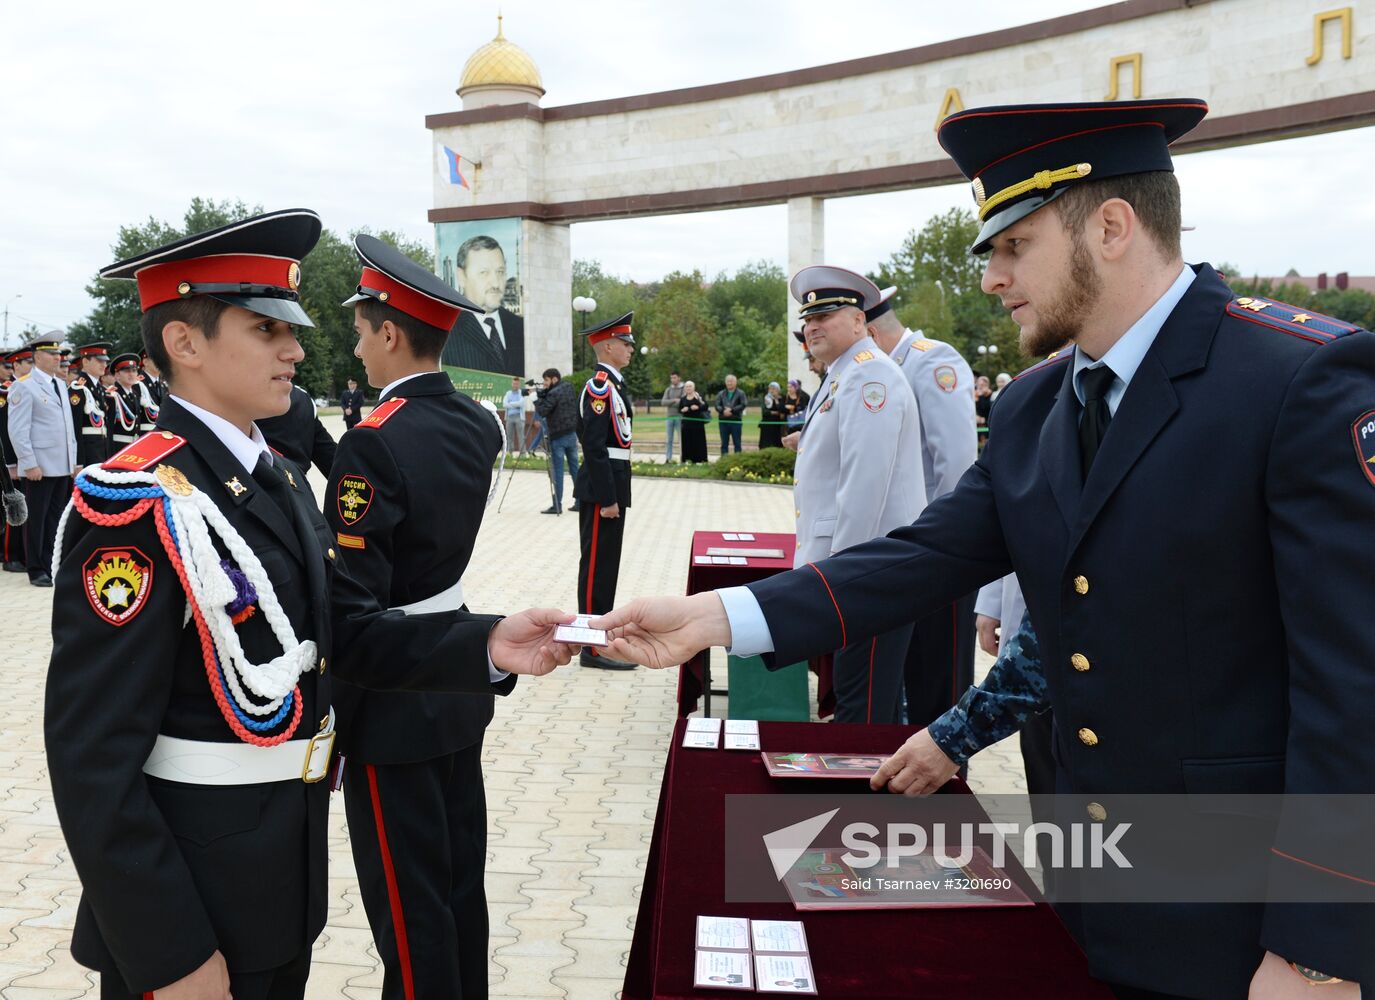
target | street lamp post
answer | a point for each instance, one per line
(7, 316)
(988, 350)
(583, 304)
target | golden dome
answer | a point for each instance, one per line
(500, 63)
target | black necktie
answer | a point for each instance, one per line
(493, 336)
(265, 474)
(1093, 425)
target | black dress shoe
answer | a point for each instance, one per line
(14, 566)
(551, 510)
(575, 506)
(603, 662)
(42, 580)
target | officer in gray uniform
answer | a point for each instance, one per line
(44, 440)
(940, 657)
(859, 470)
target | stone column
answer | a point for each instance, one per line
(546, 276)
(806, 245)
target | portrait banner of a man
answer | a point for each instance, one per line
(482, 261)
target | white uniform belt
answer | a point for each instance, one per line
(93, 430)
(445, 600)
(619, 454)
(196, 762)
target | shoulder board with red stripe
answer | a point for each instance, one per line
(1289, 319)
(381, 414)
(148, 450)
(600, 386)
(1052, 359)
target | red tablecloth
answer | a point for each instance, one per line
(870, 954)
(703, 577)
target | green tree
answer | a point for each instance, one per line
(614, 297)
(676, 324)
(938, 292)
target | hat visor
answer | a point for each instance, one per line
(287, 310)
(830, 307)
(355, 299)
(999, 221)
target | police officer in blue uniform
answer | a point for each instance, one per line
(940, 657)
(405, 500)
(1186, 495)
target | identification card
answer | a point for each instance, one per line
(704, 724)
(722, 970)
(578, 635)
(701, 740)
(723, 933)
(784, 974)
(785, 937)
(742, 741)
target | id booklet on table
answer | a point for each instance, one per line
(823, 765)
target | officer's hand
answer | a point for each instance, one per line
(524, 643)
(665, 631)
(610, 510)
(987, 630)
(790, 440)
(918, 768)
(209, 982)
(1275, 980)
(33, 475)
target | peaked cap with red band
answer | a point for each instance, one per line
(23, 354)
(618, 328)
(390, 277)
(254, 264)
(98, 351)
(124, 361)
(1022, 157)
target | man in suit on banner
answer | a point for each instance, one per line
(494, 339)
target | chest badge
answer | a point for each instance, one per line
(117, 583)
(236, 487)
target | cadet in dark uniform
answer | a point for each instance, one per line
(1186, 496)
(186, 757)
(405, 500)
(88, 401)
(125, 402)
(351, 402)
(12, 535)
(602, 487)
(152, 378)
(299, 435)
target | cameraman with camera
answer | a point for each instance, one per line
(555, 403)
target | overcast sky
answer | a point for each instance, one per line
(112, 113)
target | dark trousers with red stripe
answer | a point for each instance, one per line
(286, 982)
(940, 661)
(600, 565)
(419, 836)
(12, 543)
(867, 678)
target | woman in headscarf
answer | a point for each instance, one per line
(772, 418)
(695, 414)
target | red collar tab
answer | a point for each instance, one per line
(381, 414)
(148, 450)
(384, 288)
(159, 283)
(607, 334)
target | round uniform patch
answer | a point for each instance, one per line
(1363, 437)
(353, 497)
(117, 583)
(946, 378)
(874, 394)
(599, 406)
(76, 399)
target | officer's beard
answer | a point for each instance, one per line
(1062, 320)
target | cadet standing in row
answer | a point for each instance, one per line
(405, 499)
(126, 407)
(90, 404)
(602, 486)
(940, 658)
(195, 811)
(859, 469)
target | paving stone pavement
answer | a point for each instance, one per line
(573, 763)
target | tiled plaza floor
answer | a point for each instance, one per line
(573, 764)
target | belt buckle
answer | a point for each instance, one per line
(320, 741)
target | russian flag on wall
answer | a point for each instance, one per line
(449, 162)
